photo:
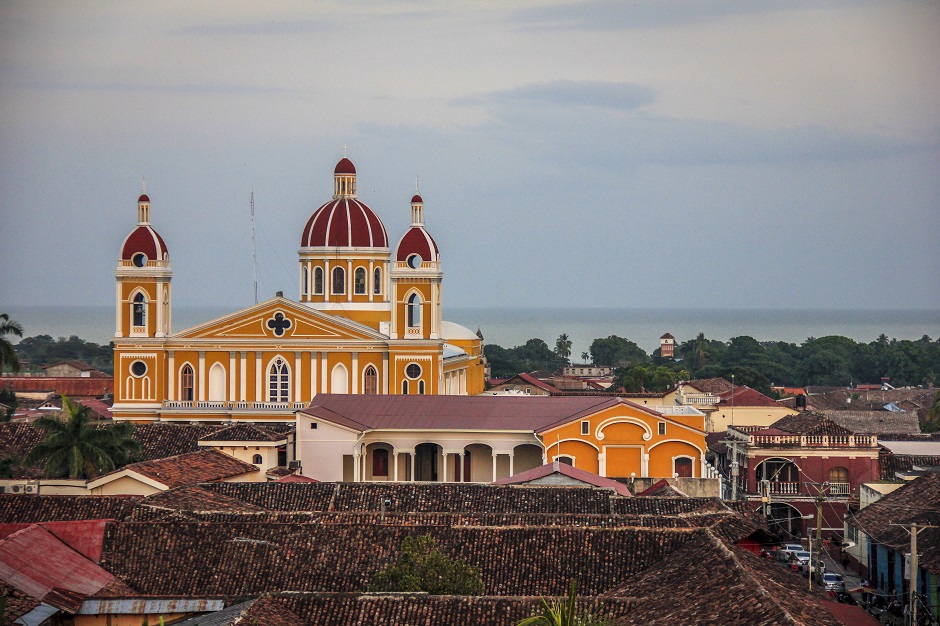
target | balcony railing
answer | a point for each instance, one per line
(783, 487)
(815, 441)
(232, 406)
(699, 399)
(840, 489)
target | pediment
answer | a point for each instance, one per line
(280, 319)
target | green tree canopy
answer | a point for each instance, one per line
(8, 357)
(614, 351)
(44, 350)
(421, 566)
(563, 347)
(73, 447)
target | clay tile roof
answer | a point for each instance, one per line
(809, 424)
(188, 469)
(711, 385)
(194, 499)
(566, 470)
(917, 501)
(875, 422)
(745, 396)
(662, 489)
(79, 365)
(61, 578)
(162, 440)
(741, 588)
(264, 610)
(296, 478)
(244, 432)
(40, 508)
(72, 386)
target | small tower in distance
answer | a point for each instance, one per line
(667, 346)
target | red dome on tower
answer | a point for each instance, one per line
(417, 241)
(144, 240)
(345, 166)
(344, 222)
(144, 243)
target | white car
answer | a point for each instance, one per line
(784, 551)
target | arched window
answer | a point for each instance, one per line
(370, 382)
(567, 460)
(838, 475)
(339, 379)
(217, 383)
(339, 280)
(421, 387)
(257, 459)
(305, 282)
(404, 387)
(279, 381)
(186, 383)
(140, 310)
(380, 462)
(683, 467)
(318, 281)
(377, 281)
(414, 311)
(360, 286)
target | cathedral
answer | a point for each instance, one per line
(367, 321)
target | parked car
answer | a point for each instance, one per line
(784, 551)
(832, 582)
(798, 560)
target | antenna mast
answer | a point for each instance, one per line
(254, 247)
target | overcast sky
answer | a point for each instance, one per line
(714, 153)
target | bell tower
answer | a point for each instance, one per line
(143, 274)
(416, 281)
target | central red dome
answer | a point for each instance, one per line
(344, 223)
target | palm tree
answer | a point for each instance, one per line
(7, 353)
(586, 358)
(75, 448)
(563, 346)
(563, 612)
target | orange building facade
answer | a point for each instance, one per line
(368, 321)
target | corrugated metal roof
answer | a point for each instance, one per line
(361, 412)
(60, 578)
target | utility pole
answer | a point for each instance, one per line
(912, 597)
(734, 470)
(817, 543)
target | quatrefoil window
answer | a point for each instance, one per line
(279, 324)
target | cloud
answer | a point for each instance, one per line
(616, 14)
(570, 93)
(278, 26)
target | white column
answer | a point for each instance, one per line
(494, 466)
(355, 373)
(350, 282)
(512, 456)
(297, 390)
(202, 376)
(119, 306)
(385, 373)
(459, 477)
(242, 375)
(414, 453)
(231, 378)
(602, 463)
(370, 281)
(645, 464)
(259, 378)
(443, 475)
(159, 306)
(313, 374)
(327, 281)
(323, 371)
(171, 375)
(395, 464)
(356, 465)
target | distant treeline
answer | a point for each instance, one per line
(833, 360)
(41, 350)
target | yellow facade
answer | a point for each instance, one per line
(628, 440)
(364, 323)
